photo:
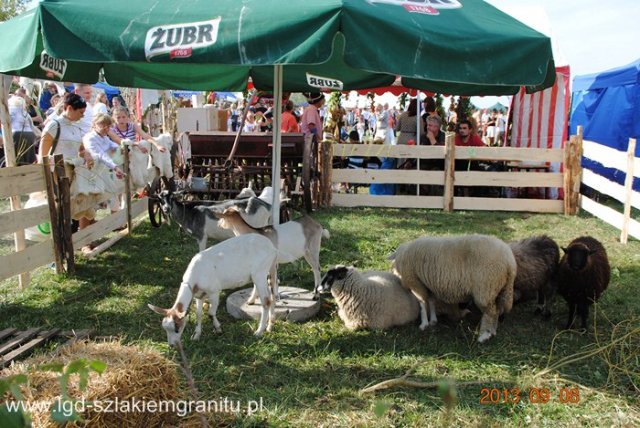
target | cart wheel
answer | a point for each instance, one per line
(309, 176)
(155, 209)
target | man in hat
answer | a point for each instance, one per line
(311, 123)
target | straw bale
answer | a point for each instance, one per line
(131, 373)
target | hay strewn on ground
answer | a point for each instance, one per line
(132, 373)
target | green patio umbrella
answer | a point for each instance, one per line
(448, 46)
(462, 47)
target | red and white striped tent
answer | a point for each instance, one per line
(541, 119)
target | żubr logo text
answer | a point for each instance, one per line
(428, 7)
(324, 83)
(179, 40)
(53, 67)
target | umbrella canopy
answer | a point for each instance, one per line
(461, 47)
(498, 107)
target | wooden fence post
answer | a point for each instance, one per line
(10, 157)
(127, 188)
(56, 230)
(628, 190)
(572, 173)
(449, 171)
(64, 211)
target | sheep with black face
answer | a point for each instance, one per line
(583, 275)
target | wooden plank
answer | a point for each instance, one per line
(521, 154)
(23, 218)
(21, 180)
(509, 179)
(449, 173)
(26, 348)
(107, 224)
(609, 216)
(608, 187)
(109, 242)
(26, 260)
(388, 201)
(379, 150)
(7, 332)
(609, 157)
(21, 338)
(628, 192)
(438, 152)
(501, 204)
(398, 176)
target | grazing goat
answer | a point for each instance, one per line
(583, 276)
(229, 264)
(455, 269)
(199, 221)
(294, 239)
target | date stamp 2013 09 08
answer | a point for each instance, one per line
(533, 395)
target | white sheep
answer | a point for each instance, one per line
(294, 239)
(229, 264)
(369, 299)
(376, 300)
(455, 269)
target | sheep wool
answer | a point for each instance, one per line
(456, 269)
(583, 275)
(370, 299)
(537, 259)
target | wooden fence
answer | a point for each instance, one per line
(17, 182)
(22, 180)
(626, 162)
(525, 165)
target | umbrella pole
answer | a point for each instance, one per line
(418, 123)
(277, 130)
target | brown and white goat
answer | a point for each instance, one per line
(229, 264)
(294, 239)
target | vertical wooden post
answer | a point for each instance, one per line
(449, 171)
(56, 232)
(572, 173)
(127, 189)
(64, 211)
(10, 156)
(628, 190)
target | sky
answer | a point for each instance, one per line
(592, 35)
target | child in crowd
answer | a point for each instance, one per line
(100, 146)
(125, 129)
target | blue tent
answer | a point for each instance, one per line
(109, 90)
(607, 105)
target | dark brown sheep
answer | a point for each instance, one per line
(537, 259)
(583, 275)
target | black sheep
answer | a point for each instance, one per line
(583, 275)
(537, 259)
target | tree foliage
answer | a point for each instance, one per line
(11, 8)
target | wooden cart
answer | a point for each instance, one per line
(207, 175)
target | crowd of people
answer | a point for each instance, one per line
(89, 131)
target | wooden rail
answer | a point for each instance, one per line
(526, 160)
(625, 194)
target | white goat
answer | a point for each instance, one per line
(229, 264)
(294, 239)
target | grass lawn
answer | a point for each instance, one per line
(311, 374)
